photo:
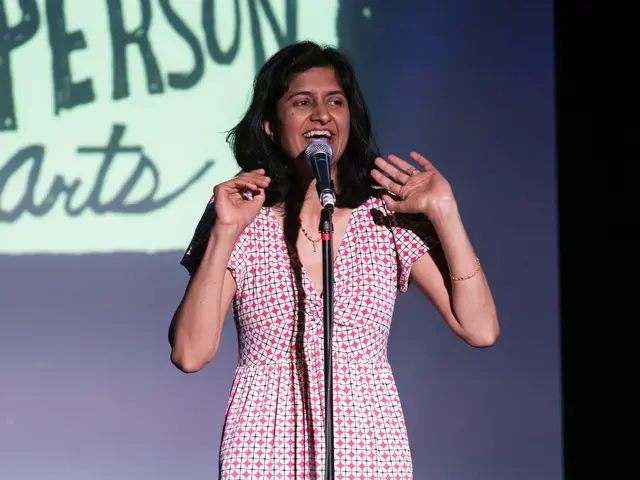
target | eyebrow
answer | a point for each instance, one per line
(305, 92)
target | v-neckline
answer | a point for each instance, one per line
(311, 289)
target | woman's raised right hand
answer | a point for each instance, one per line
(238, 201)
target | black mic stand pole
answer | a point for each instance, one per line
(326, 233)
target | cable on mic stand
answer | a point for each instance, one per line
(326, 233)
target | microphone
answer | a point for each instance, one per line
(318, 153)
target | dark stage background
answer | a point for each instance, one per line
(87, 390)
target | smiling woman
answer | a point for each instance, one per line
(248, 251)
(303, 91)
(315, 107)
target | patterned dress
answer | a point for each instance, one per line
(274, 426)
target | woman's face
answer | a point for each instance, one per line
(314, 108)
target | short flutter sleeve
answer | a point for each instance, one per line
(414, 235)
(192, 257)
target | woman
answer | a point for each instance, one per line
(256, 249)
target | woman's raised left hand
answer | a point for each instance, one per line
(417, 190)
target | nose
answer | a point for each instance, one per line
(320, 113)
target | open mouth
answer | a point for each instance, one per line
(325, 135)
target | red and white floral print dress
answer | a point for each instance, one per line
(274, 426)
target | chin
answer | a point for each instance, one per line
(298, 151)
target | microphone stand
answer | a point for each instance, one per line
(326, 233)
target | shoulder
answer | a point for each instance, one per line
(262, 222)
(372, 204)
(375, 213)
(262, 232)
(374, 210)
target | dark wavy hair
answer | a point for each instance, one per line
(254, 149)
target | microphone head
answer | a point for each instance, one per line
(318, 146)
(318, 153)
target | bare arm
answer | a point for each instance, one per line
(196, 326)
(466, 305)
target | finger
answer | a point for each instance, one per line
(423, 162)
(261, 181)
(258, 172)
(242, 185)
(406, 167)
(393, 205)
(389, 202)
(255, 178)
(399, 176)
(386, 182)
(253, 173)
(252, 183)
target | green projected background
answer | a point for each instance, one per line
(113, 114)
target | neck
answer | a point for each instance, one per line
(302, 201)
(306, 198)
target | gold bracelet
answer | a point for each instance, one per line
(459, 279)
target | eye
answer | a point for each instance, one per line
(337, 102)
(301, 103)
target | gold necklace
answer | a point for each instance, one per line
(310, 239)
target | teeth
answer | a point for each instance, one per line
(317, 133)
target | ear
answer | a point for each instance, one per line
(266, 126)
